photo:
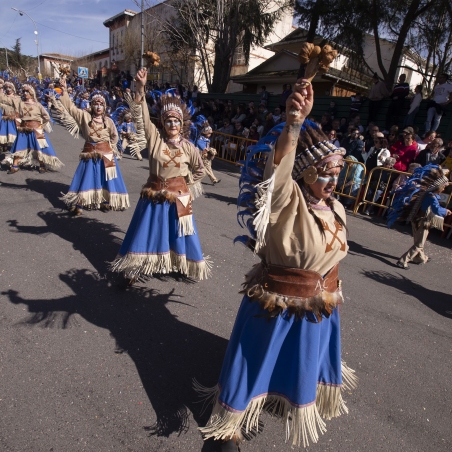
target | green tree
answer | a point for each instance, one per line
(17, 49)
(347, 23)
(214, 30)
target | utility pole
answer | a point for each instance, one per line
(142, 33)
(37, 42)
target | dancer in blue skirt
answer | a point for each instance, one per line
(8, 129)
(162, 236)
(32, 144)
(284, 355)
(97, 182)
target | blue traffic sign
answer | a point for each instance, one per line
(83, 72)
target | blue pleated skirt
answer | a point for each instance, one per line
(153, 244)
(287, 366)
(90, 188)
(8, 131)
(27, 144)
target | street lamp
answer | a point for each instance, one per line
(36, 41)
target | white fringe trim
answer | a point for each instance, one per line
(196, 190)
(65, 119)
(111, 173)
(303, 424)
(186, 226)
(48, 128)
(148, 264)
(94, 198)
(263, 205)
(43, 143)
(9, 139)
(48, 160)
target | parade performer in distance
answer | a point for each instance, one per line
(417, 201)
(32, 143)
(8, 102)
(207, 153)
(97, 182)
(284, 354)
(128, 135)
(162, 236)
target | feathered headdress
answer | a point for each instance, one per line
(30, 89)
(408, 199)
(172, 106)
(255, 195)
(10, 85)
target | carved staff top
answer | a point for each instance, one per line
(313, 59)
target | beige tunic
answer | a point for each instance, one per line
(8, 103)
(32, 112)
(293, 239)
(94, 133)
(167, 160)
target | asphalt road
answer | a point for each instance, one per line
(87, 367)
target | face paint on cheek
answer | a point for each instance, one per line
(326, 180)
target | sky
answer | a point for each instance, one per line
(57, 20)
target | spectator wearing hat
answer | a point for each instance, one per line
(405, 150)
(442, 96)
(432, 153)
(207, 153)
(377, 93)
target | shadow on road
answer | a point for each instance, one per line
(356, 248)
(437, 301)
(227, 199)
(51, 190)
(167, 352)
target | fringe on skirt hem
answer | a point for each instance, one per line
(134, 265)
(92, 199)
(302, 423)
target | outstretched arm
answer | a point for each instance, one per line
(301, 100)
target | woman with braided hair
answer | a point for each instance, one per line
(97, 182)
(32, 143)
(284, 355)
(162, 237)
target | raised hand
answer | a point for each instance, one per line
(141, 78)
(299, 103)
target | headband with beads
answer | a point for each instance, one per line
(308, 160)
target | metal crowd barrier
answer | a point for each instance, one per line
(351, 182)
(379, 186)
(229, 147)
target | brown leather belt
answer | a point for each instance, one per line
(31, 124)
(102, 147)
(295, 282)
(278, 289)
(175, 185)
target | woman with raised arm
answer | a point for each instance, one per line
(97, 182)
(284, 355)
(32, 143)
(162, 236)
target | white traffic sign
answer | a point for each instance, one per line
(83, 72)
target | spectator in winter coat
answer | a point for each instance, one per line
(404, 151)
(432, 153)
